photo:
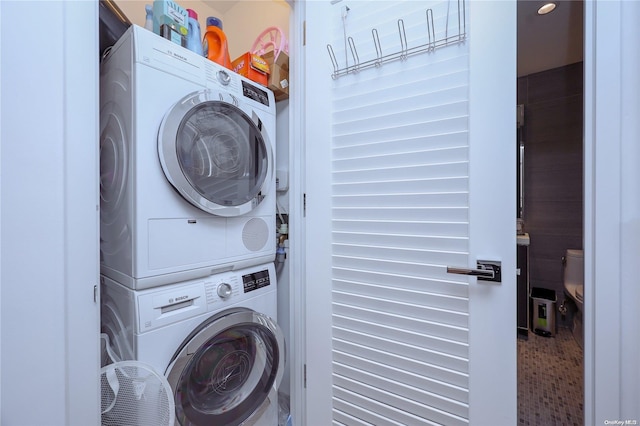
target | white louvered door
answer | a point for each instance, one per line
(410, 168)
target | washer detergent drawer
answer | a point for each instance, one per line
(160, 308)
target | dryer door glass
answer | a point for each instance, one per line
(228, 377)
(221, 153)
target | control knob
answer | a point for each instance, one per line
(224, 290)
(224, 77)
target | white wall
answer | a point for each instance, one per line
(49, 219)
(247, 19)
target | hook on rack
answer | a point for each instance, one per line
(354, 54)
(462, 33)
(403, 40)
(334, 61)
(431, 32)
(376, 42)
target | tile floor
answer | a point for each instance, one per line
(550, 384)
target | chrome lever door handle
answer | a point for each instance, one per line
(488, 270)
(474, 272)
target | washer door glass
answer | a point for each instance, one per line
(229, 376)
(215, 155)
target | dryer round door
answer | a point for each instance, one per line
(225, 369)
(215, 155)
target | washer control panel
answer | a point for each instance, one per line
(222, 288)
(158, 307)
(233, 286)
(256, 280)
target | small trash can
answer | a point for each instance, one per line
(543, 311)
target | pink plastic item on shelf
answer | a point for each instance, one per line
(272, 38)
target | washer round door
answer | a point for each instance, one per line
(215, 155)
(226, 369)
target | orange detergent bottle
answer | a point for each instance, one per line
(214, 43)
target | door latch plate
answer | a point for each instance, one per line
(490, 265)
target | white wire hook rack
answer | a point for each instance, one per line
(405, 51)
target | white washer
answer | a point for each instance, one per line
(187, 151)
(213, 338)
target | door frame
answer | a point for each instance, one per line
(297, 240)
(492, 306)
(611, 211)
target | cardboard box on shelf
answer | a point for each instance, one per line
(252, 66)
(279, 75)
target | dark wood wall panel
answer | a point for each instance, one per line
(556, 83)
(553, 194)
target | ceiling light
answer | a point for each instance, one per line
(546, 8)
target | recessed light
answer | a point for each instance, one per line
(546, 8)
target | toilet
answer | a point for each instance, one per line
(574, 287)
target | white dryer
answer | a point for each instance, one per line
(213, 338)
(187, 151)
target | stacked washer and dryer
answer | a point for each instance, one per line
(187, 228)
